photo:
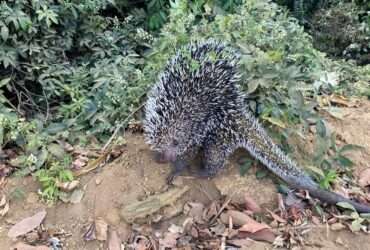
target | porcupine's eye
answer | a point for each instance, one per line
(175, 143)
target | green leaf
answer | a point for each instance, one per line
(244, 168)
(350, 147)
(297, 98)
(344, 161)
(66, 175)
(56, 150)
(321, 128)
(41, 158)
(356, 225)
(365, 215)
(18, 161)
(4, 33)
(253, 85)
(4, 82)
(261, 174)
(346, 205)
(54, 128)
(316, 170)
(274, 121)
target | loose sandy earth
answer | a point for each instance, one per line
(135, 175)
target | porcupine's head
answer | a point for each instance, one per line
(172, 125)
(194, 85)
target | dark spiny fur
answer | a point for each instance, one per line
(197, 106)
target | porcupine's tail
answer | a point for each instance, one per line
(260, 145)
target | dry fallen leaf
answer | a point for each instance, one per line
(315, 220)
(251, 205)
(4, 210)
(67, 186)
(26, 225)
(364, 179)
(276, 217)
(142, 244)
(169, 240)
(264, 235)
(337, 226)
(114, 242)
(175, 229)
(253, 226)
(196, 211)
(80, 162)
(238, 218)
(243, 243)
(219, 229)
(101, 229)
(4, 206)
(90, 232)
(3, 200)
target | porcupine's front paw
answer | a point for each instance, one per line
(177, 168)
(159, 158)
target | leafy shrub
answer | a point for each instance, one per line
(282, 73)
(277, 56)
(65, 60)
(155, 12)
(301, 9)
(340, 31)
(68, 71)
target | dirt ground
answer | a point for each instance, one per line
(135, 175)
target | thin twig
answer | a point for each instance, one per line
(120, 126)
(223, 207)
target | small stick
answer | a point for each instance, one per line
(120, 126)
(223, 207)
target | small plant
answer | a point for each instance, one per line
(329, 158)
(358, 221)
(49, 178)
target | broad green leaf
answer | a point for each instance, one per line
(253, 85)
(18, 161)
(344, 161)
(245, 167)
(261, 174)
(54, 128)
(4, 33)
(356, 225)
(41, 158)
(346, 205)
(350, 147)
(4, 82)
(365, 215)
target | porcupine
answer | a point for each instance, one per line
(197, 106)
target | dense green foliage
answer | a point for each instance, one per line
(74, 70)
(341, 28)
